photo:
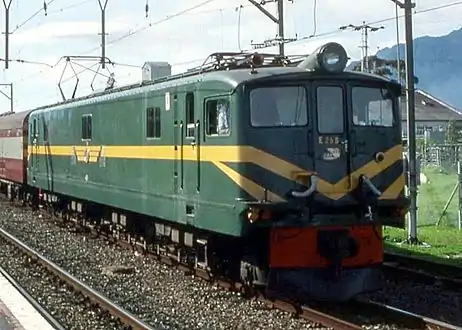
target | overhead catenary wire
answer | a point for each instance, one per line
(49, 13)
(392, 18)
(141, 29)
(188, 10)
(43, 8)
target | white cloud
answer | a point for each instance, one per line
(69, 30)
(191, 36)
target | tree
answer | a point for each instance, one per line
(385, 68)
(453, 132)
(453, 137)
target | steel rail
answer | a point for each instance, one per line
(423, 270)
(39, 308)
(434, 268)
(412, 320)
(386, 312)
(125, 317)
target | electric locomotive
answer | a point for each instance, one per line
(279, 171)
(334, 177)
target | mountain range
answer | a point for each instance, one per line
(438, 65)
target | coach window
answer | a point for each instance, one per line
(153, 125)
(45, 131)
(372, 106)
(189, 115)
(86, 127)
(330, 109)
(217, 116)
(34, 128)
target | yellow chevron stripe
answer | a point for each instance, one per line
(393, 191)
(231, 154)
(253, 189)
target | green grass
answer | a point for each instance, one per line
(445, 240)
(444, 244)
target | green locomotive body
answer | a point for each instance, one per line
(277, 173)
(139, 150)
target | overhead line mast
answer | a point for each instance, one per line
(102, 6)
(408, 5)
(364, 28)
(280, 40)
(7, 5)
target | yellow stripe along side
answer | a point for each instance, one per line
(218, 155)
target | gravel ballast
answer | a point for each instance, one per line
(434, 301)
(160, 295)
(66, 306)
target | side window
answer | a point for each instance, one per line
(373, 107)
(86, 127)
(153, 124)
(217, 116)
(330, 109)
(190, 115)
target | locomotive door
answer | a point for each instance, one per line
(176, 145)
(34, 144)
(190, 156)
(331, 156)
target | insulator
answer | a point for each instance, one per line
(146, 8)
(45, 7)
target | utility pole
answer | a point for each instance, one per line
(410, 96)
(280, 40)
(7, 31)
(364, 28)
(398, 52)
(102, 6)
(9, 97)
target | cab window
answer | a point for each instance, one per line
(278, 106)
(372, 107)
(217, 116)
(330, 109)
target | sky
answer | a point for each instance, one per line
(180, 32)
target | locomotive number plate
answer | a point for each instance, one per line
(327, 139)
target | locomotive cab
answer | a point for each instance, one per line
(335, 136)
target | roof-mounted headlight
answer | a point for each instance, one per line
(331, 57)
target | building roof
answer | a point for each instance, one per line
(429, 108)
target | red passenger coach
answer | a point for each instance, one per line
(13, 147)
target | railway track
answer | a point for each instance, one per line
(423, 270)
(125, 317)
(340, 316)
(344, 317)
(42, 311)
(402, 317)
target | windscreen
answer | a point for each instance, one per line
(329, 100)
(372, 106)
(278, 106)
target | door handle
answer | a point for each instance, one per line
(310, 146)
(353, 140)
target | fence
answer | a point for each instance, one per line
(440, 190)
